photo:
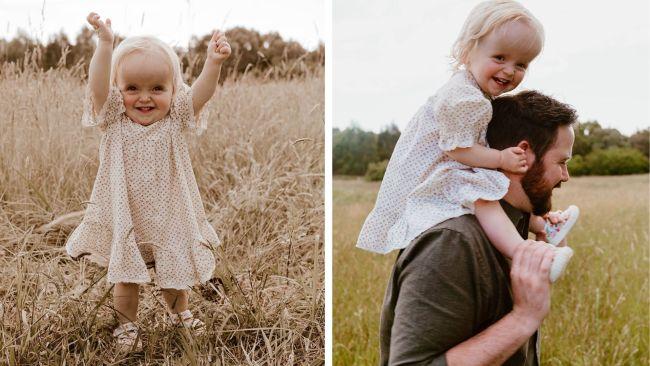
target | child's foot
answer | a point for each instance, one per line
(186, 320)
(555, 233)
(560, 261)
(128, 338)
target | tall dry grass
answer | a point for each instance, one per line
(259, 168)
(600, 309)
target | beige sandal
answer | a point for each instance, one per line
(128, 338)
(186, 320)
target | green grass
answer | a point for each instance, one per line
(600, 309)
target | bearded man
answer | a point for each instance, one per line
(453, 298)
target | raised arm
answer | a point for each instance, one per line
(100, 65)
(205, 85)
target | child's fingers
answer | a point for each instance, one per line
(108, 23)
(93, 19)
(225, 49)
(216, 35)
(221, 40)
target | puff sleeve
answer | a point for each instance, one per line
(462, 113)
(182, 110)
(111, 111)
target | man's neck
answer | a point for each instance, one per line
(516, 196)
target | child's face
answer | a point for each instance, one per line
(499, 61)
(145, 81)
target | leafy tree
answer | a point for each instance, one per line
(616, 161)
(640, 140)
(353, 149)
(266, 55)
(386, 141)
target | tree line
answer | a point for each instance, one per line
(266, 55)
(596, 151)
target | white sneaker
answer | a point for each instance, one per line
(560, 261)
(128, 338)
(555, 233)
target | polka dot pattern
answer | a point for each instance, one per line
(422, 186)
(145, 207)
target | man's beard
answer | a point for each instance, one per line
(535, 187)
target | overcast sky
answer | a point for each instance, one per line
(173, 21)
(390, 56)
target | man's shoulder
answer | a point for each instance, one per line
(459, 236)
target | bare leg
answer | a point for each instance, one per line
(497, 226)
(177, 300)
(125, 300)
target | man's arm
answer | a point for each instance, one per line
(531, 291)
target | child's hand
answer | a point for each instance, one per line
(218, 48)
(555, 217)
(103, 30)
(513, 160)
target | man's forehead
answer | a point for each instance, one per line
(563, 146)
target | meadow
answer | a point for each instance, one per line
(259, 168)
(600, 309)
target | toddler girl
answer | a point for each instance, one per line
(145, 208)
(429, 180)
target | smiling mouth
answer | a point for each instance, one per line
(145, 109)
(500, 81)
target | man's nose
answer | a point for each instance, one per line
(565, 173)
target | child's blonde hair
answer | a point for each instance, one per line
(486, 17)
(150, 44)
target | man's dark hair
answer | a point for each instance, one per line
(529, 116)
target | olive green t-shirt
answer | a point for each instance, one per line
(447, 286)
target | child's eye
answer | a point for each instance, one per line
(158, 88)
(499, 58)
(130, 88)
(522, 66)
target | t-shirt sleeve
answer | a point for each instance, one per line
(461, 113)
(111, 111)
(438, 295)
(182, 110)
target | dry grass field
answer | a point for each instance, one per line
(259, 168)
(600, 309)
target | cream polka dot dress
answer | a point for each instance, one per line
(422, 186)
(145, 206)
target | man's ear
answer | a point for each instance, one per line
(530, 155)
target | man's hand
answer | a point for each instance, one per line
(218, 48)
(513, 160)
(531, 288)
(103, 30)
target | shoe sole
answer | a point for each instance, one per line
(560, 261)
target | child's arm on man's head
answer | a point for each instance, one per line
(512, 159)
(205, 85)
(99, 71)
